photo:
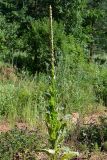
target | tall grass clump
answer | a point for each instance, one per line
(23, 101)
(75, 81)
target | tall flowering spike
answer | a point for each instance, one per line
(53, 124)
(52, 46)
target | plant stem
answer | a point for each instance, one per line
(52, 46)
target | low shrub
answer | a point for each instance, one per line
(19, 144)
(93, 134)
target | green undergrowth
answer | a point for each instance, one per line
(88, 138)
(94, 135)
(23, 100)
(19, 144)
(76, 89)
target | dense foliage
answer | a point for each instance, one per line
(25, 36)
(19, 144)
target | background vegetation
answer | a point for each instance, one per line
(80, 39)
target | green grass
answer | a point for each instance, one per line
(23, 100)
(76, 89)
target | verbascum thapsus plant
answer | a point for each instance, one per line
(56, 127)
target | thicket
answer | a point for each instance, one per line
(25, 34)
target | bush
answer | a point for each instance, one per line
(75, 79)
(29, 49)
(93, 134)
(101, 85)
(19, 144)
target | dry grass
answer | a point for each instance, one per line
(98, 156)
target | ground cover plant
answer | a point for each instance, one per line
(18, 144)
